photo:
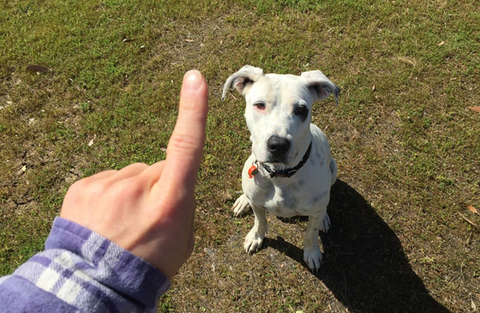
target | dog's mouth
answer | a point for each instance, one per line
(276, 161)
(283, 160)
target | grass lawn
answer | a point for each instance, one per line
(404, 136)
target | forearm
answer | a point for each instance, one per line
(82, 271)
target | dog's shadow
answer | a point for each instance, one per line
(364, 264)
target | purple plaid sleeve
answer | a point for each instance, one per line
(81, 271)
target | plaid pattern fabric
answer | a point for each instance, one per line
(86, 273)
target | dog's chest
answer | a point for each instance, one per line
(288, 202)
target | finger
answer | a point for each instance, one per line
(101, 175)
(130, 171)
(184, 151)
(153, 172)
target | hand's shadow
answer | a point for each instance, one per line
(364, 264)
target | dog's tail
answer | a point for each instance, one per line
(333, 170)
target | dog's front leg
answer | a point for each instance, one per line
(311, 252)
(254, 239)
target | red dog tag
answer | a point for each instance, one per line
(252, 171)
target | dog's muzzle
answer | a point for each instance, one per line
(278, 146)
(290, 171)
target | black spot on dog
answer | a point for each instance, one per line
(324, 194)
(314, 201)
(290, 203)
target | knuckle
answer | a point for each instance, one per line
(80, 184)
(78, 187)
(85, 190)
(132, 188)
(179, 144)
(98, 189)
(137, 166)
(75, 191)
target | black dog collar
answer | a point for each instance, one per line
(290, 171)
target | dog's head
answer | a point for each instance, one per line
(278, 112)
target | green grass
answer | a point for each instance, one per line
(408, 149)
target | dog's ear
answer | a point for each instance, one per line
(241, 79)
(320, 86)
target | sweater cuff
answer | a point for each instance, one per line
(109, 263)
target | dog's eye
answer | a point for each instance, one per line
(259, 105)
(301, 110)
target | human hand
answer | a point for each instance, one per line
(149, 210)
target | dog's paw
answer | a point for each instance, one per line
(325, 224)
(313, 258)
(241, 205)
(253, 241)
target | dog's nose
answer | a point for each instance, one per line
(278, 146)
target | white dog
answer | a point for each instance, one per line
(290, 170)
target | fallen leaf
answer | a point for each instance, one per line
(475, 108)
(127, 40)
(189, 40)
(374, 88)
(441, 43)
(38, 69)
(90, 143)
(472, 209)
